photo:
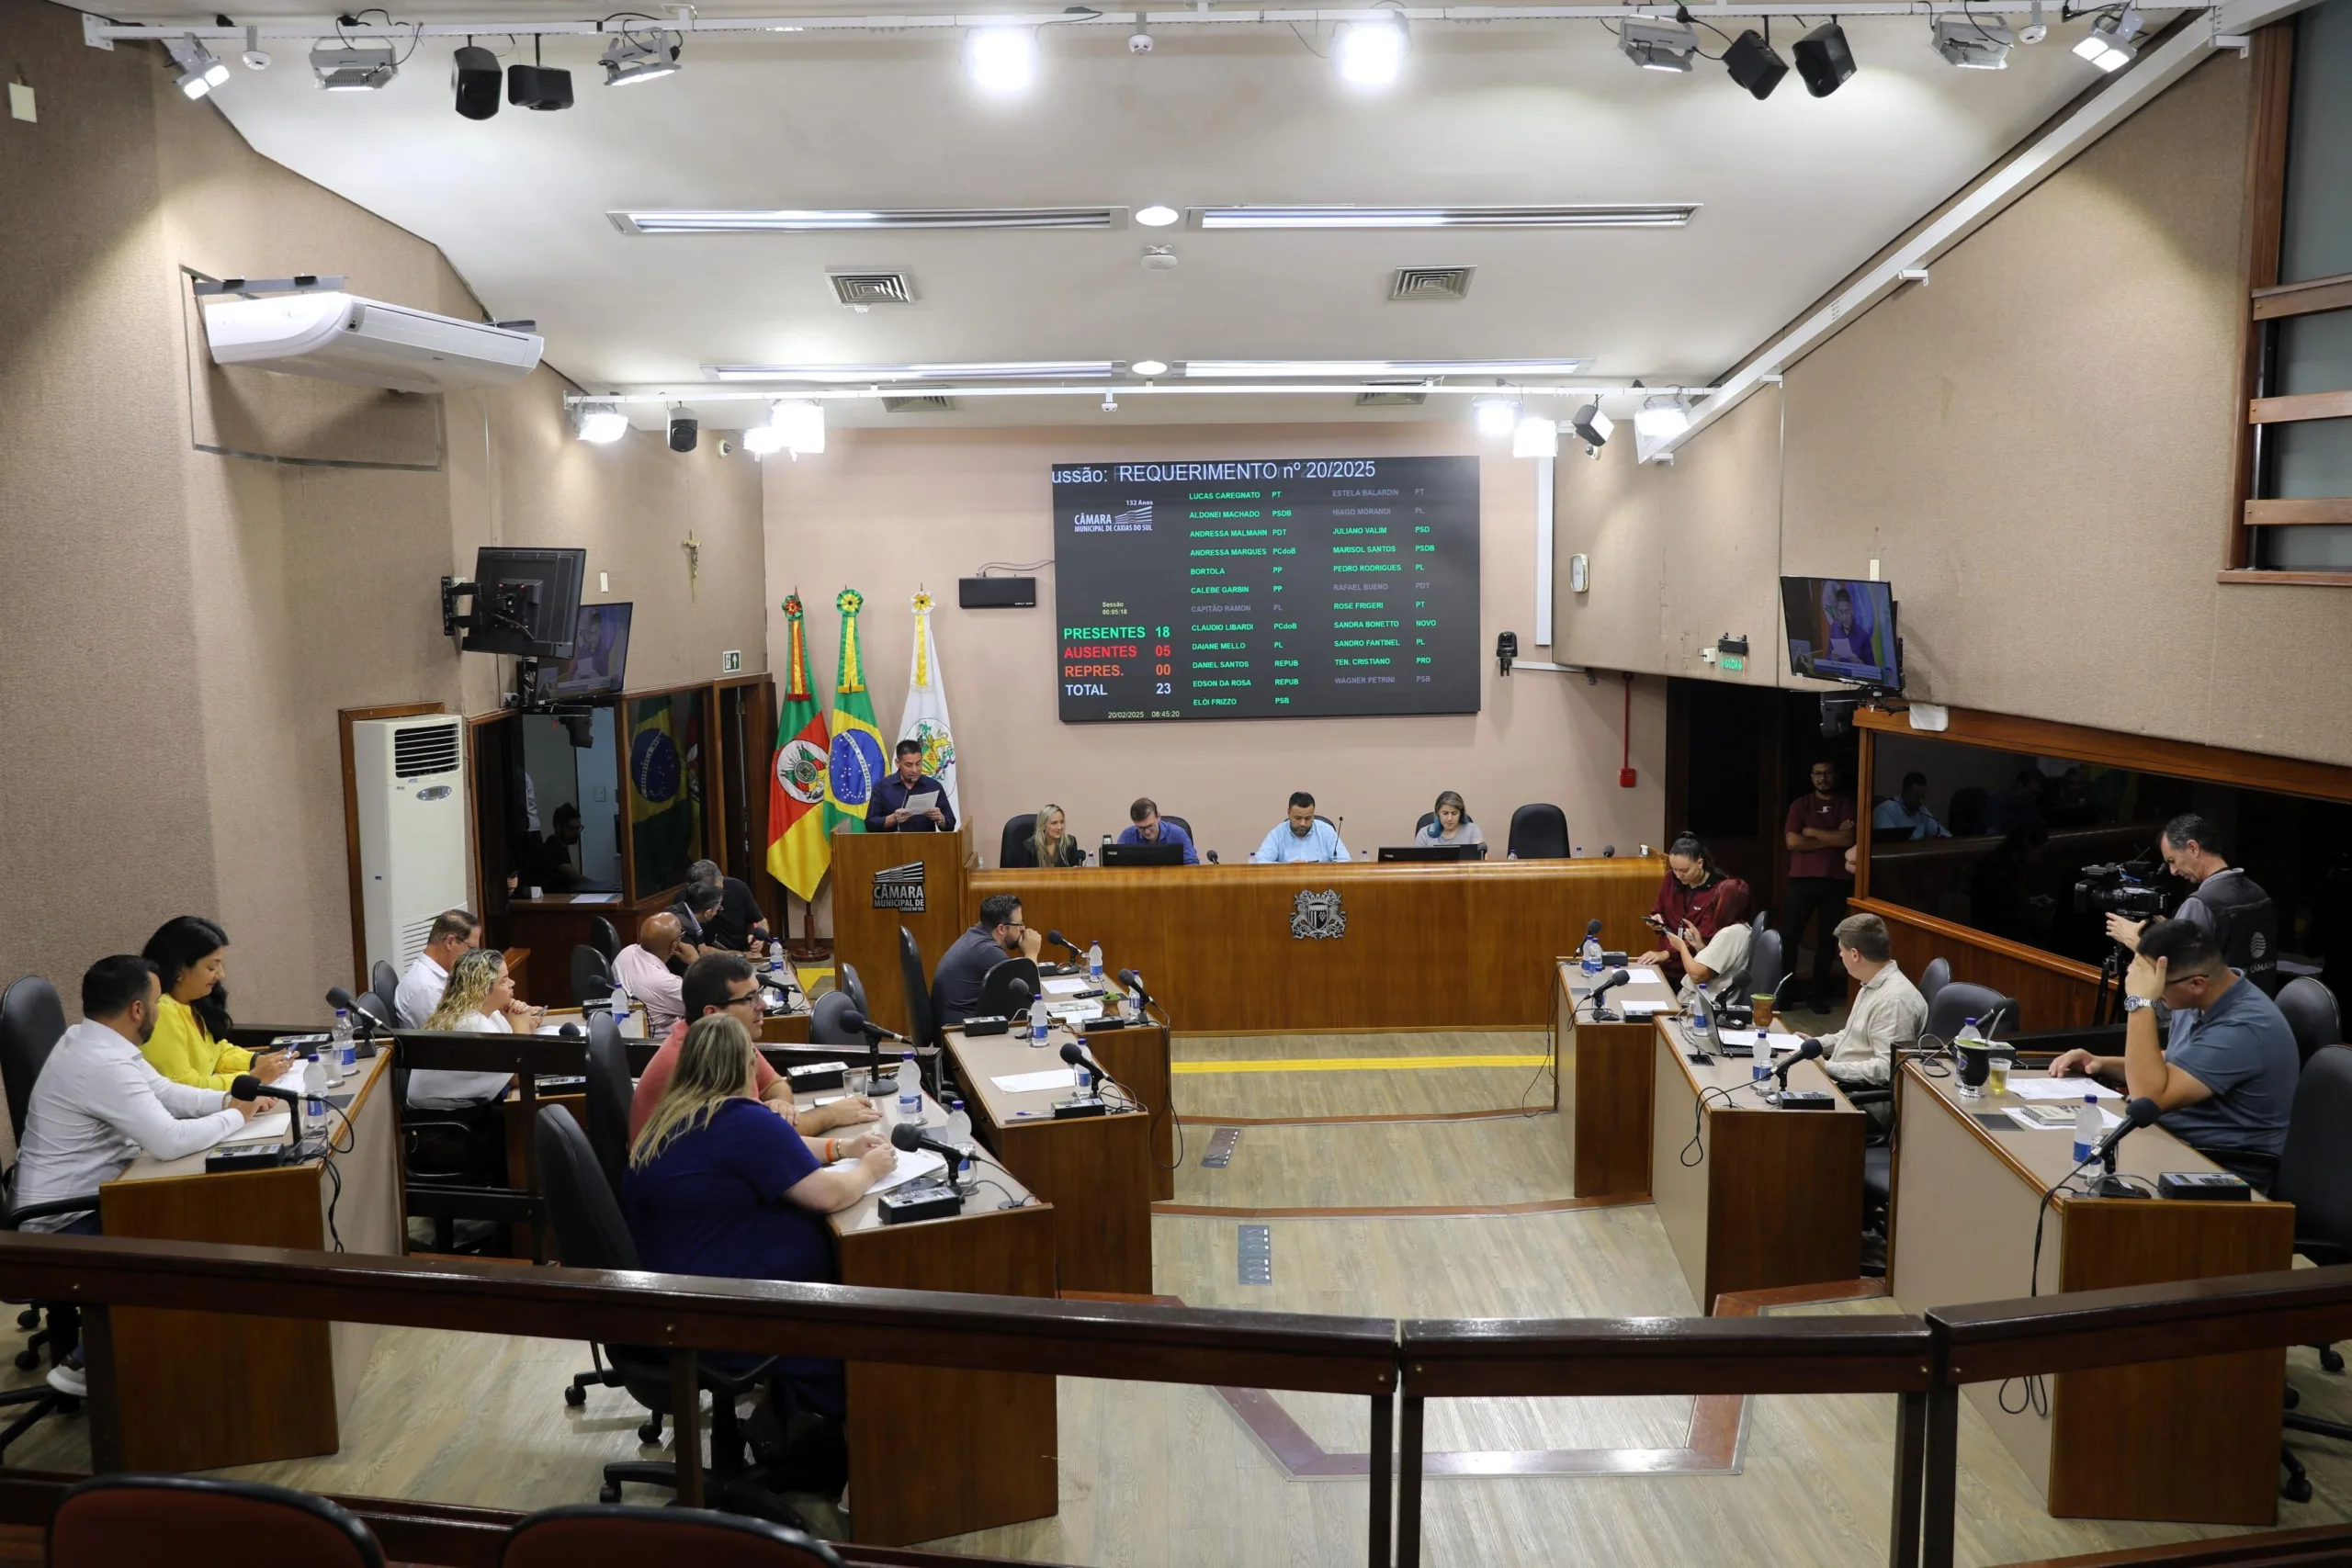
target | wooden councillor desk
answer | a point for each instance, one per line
(1602, 1073)
(180, 1391)
(899, 1492)
(1096, 1170)
(1450, 945)
(1766, 1197)
(2192, 1441)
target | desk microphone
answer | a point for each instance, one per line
(872, 1031)
(1018, 989)
(2136, 1115)
(1062, 942)
(570, 1031)
(1133, 982)
(1807, 1052)
(248, 1086)
(364, 1020)
(1608, 851)
(906, 1137)
(1592, 929)
(1078, 1055)
(1615, 978)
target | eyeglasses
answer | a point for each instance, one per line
(749, 998)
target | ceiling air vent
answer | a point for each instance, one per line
(1408, 394)
(1430, 283)
(917, 405)
(860, 290)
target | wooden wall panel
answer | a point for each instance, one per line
(2052, 992)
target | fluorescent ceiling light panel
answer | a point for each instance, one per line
(1667, 215)
(826, 220)
(1352, 370)
(864, 375)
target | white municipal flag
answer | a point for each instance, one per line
(926, 717)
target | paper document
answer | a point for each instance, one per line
(1065, 985)
(919, 1163)
(1638, 975)
(2055, 1118)
(2059, 1088)
(1074, 1012)
(1634, 1007)
(1033, 1083)
(925, 801)
(269, 1127)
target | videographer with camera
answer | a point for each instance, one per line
(2224, 1075)
(2228, 905)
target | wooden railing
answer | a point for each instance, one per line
(1922, 1361)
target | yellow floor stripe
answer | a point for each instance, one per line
(1358, 1063)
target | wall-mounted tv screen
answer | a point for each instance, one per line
(1842, 629)
(599, 661)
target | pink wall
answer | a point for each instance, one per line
(887, 512)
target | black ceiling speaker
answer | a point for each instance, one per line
(684, 430)
(476, 80)
(537, 86)
(1823, 59)
(1754, 65)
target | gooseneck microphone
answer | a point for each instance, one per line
(1133, 982)
(1617, 977)
(1809, 1051)
(2140, 1114)
(1019, 991)
(361, 1018)
(1078, 1055)
(871, 1030)
(1592, 929)
(1062, 942)
(248, 1086)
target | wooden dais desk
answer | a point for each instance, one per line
(179, 1391)
(2192, 1441)
(1600, 1083)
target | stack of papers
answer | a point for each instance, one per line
(1634, 1007)
(1075, 1012)
(1032, 1083)
(2059, 1089)
(1065, 985)
(269, 1127)
(910, 1167)
(2055, 1118)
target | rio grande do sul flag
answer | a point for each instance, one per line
(926, 717)
(857, 762)
(798, 854)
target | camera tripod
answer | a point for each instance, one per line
(2106, 1004)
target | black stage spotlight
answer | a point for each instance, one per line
(537, 86)
(1754, 65)
(685, 429)
(1823, 58)
(475, 77)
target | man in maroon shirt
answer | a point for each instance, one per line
(1819, 829)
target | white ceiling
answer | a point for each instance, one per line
(1793, 193)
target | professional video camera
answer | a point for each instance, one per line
(2118, 888)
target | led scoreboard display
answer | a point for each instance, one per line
(1306, 587)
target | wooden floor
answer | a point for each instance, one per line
(1153, 1475)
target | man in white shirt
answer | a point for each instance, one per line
(1303, 838)
(98, 1104)
(1887, 1009)
(454, 932)
(644, 967)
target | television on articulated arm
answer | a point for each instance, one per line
(1843, 628)
(599, 663)
(525, 602)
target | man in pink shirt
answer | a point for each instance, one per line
(643, 966)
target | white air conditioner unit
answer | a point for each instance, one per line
(341, 337)
(410, 774)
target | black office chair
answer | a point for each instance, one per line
(591, 1233)
(1960, 1001)
(1016, 840)
(1538, 832)
(997, 997)
(1934, 978)
(32, 1020)
(2310, 1012)
(112, 1519)
(592, 976)
(609, 1093)
(64, 1325)
(604, 937)
(923, 1026)
(595, 1535)
(1422, 824)
(825, 1026)
(384, 985)
(1180, 823)
(2315, 1176)
(845, 978)
(1766, 966)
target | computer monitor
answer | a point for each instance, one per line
(1143, 854)
(525, 602)
(1429, 852)
(1842, 629)
(599, 661)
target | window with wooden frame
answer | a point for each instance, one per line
(2295, 463)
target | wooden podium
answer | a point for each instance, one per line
(884, 881)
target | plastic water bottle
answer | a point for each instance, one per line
(620, 1003)
(1094, 963)
(776, 964)
(1084, 1084)
(2086, 1129)
(959, 1124)
(965, 1178)
(1968, 1035)
(909, 1089)
(1590, 955)
(1039, 1021)
(339, 1046)
(314, 1104)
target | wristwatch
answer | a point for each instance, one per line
(2133, 1004)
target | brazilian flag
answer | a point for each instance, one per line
(858, 759)
(665, 823)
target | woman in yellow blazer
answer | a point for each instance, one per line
(190, 1042)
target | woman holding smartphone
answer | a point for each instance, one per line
(1685, 899)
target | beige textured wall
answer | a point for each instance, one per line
(180, 628)
(2035, 448)
(886, 512)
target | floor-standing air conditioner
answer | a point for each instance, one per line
(410, 776)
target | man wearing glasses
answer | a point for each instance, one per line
(724, 982)
(999, 936)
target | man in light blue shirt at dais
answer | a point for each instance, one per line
(1906, 815)
(1304, 837)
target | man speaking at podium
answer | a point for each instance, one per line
(890, 812)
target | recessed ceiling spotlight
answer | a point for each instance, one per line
(201, 69)
(1001, 59)
(1973, 45)
(629, 59)
(599, 423)
(1823, 58)
(1371, 53)
(1658, 46)
(1496, 416)
(1535, 437)
(1149, 367)
(1754, 64)
(358, 67)
(2108, 44)
(1157, 216)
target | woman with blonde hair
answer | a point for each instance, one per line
(719, 1184)
(1048, 844)
(474, 1002)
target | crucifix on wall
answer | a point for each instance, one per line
(693, 546)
